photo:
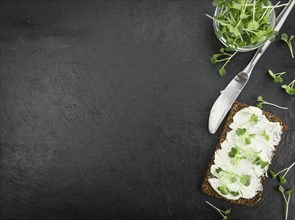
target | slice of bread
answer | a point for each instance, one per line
(206, 187)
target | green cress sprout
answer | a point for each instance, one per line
(232, 177)
(237, 153)
(288, 40)
(289, 88)
(286, 200)
(261, 102)
(244, 23)
(276, 76)
(223, 56)
(253, 119)
(223, 213)
(242, 132)
(224, 191)
(265, 135)
(245, 180)
(282, 179)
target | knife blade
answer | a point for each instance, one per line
(224, 102)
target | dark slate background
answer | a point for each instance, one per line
(104, 110)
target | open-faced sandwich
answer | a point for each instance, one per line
(243, 154)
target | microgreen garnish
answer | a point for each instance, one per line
(233, 177)
(245, 180)
(277, 77)
(223, 190)
(253, 119)
(288, 40)
(242, 132)
(247, 140)
(261, 102)
(238, 153)
(233, 152)
(286, 200)
(222, 56)
(265, 135)
(259, 162)
(244, 23)
(218, 170)
(282, 179)
(234, 193)
(289, 88)
(223, 213)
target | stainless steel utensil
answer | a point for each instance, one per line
(228, 96)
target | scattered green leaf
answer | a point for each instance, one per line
(272, 174)
(286, 200)
(262, 102)
(222, 56)
(281, 189)
(222, 71)
(288, 40)
(223, 213)
(289, 88)
(282, 179)
(277, 77)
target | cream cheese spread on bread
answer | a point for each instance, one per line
(245, 154)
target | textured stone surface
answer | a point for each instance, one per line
(104, 109)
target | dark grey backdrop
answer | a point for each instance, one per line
(104, 109)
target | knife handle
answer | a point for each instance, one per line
(248, 69)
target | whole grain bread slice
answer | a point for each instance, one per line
(206, 187)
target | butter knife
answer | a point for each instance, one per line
(228, 96)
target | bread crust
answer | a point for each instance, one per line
(206, 187)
